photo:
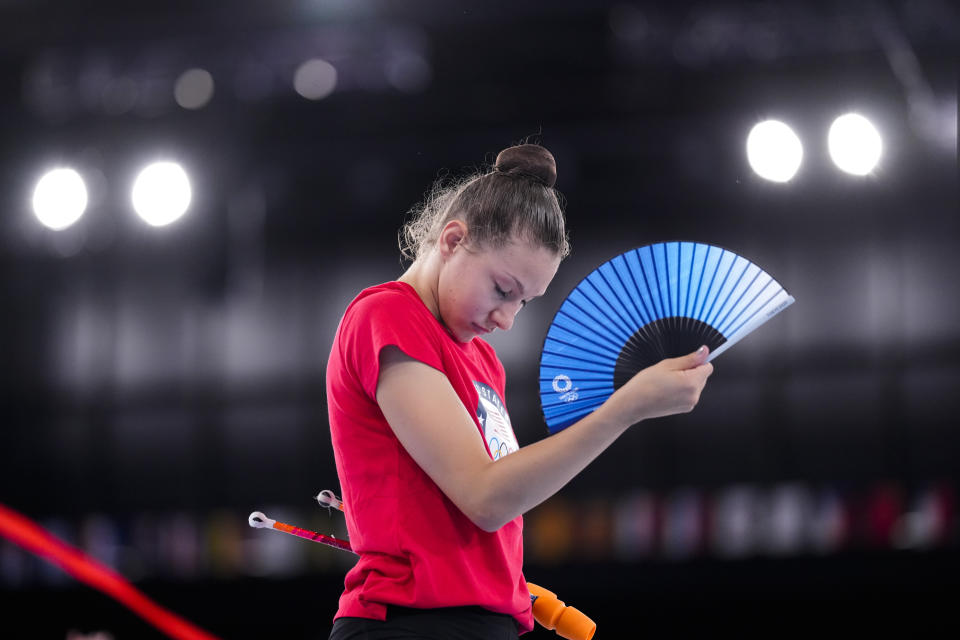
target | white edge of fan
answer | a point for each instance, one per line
(748, 328)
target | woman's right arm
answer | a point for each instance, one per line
(438, 432)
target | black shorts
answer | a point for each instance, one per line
(451, 623)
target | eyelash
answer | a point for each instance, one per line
(503, 294)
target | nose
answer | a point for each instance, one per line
(504, 315)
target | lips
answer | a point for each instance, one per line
(481, 330)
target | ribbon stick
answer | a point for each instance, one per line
(258, 520)
(328, 499)
(34, 538)
(552, 613)
(549, 611)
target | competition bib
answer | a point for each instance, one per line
(495, 422)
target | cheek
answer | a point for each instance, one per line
(463, 307)
(464, 299)
(478, 303)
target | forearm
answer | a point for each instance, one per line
(436, 429)
(524, 479)
(520, 481)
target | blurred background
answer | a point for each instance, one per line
(164, 342)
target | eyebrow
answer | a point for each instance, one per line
(520, 286)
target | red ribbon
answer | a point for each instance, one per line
(36, 539)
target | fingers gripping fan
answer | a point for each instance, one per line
(658, 301)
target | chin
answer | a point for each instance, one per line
(464, 335)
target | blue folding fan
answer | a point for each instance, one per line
(658, 301)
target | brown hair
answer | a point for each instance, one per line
(514, 198)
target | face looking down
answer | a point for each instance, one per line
(481, 289)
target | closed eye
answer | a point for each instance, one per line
(506, 294)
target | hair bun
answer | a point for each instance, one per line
(529, 160)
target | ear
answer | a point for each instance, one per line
(453, 234)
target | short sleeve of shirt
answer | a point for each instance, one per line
(382, 319)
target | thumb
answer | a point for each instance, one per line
(692, 360)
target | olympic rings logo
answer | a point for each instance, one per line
(498, 449)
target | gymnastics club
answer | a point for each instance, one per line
(258, 520)
(548, 610)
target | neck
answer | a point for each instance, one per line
(423, 276)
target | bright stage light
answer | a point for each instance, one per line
(854, 144)
(60, 198)
(161, 193)
(774, 151)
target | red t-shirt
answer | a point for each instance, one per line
(417, 549)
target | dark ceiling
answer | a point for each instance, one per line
(626, 93)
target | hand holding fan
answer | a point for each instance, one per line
(659, 301)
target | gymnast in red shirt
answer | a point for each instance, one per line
(430, 470)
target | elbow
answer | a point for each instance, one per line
(488, 514)
(486, 506)
(489, 523)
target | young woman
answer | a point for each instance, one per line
(432, 477)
